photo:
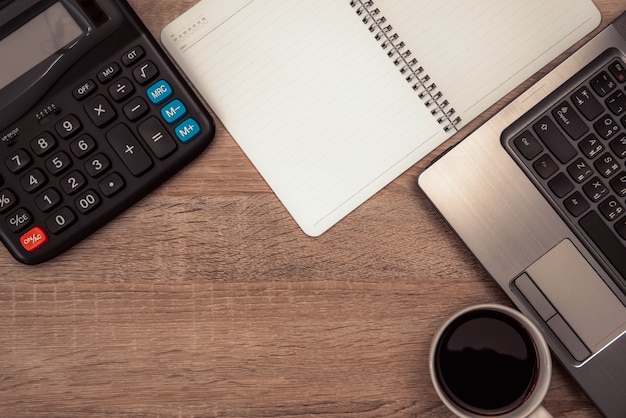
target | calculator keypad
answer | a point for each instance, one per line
(127, 118)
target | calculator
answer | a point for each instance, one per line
(94, 116)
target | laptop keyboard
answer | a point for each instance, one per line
(576, 153)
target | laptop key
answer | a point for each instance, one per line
(569, 120)
(620, 227)
(587, 104)
(607, 165)
(560, 185)
(528, 145)
(595, 189)
(606, 127)
(579, 170)
(618, 183)
(603, 84)
(617, 102)
(618, 71)
(611, 209)
(576, 204)
(554, 139)
(545, 166)
(618, 145)
(591, 146)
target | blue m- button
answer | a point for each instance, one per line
(173, 111)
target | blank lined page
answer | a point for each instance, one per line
(321, 110)
(310, 97)
(478, 51)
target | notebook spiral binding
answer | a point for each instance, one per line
(409, 66)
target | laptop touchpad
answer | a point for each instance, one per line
(585, 309)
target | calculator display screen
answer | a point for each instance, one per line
(35, 41)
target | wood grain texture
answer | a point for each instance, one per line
(205, 299)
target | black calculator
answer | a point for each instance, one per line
(93, 116)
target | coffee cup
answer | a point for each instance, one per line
(490, 360)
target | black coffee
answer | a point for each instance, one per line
(486, 362)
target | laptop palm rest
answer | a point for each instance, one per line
(573, 300)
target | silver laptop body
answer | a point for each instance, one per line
(555, 274)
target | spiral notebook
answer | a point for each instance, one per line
(331, 100)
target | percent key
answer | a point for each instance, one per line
(7, 200)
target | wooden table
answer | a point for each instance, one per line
(205, 299)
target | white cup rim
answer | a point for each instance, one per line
(534, 401)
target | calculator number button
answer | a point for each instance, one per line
(48, 200)
(68, 126)
(7, 200)
(58, 163)
(73, 183)
(129, 150)
(43, 144)
(83, 146)
(18, 161)
(34, 180)
(34, 239)
(97, 165)
(87, 202)
(19, 220)
(60, 221)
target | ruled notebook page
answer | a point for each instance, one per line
(478, 51)
(310, 97)
(324, 114)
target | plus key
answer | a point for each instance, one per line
(126, 146)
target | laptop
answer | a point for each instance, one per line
(538, 194)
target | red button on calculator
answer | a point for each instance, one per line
(34, 239)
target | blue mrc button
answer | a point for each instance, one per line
(188, 130)
(173, 111)
(160, 92)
